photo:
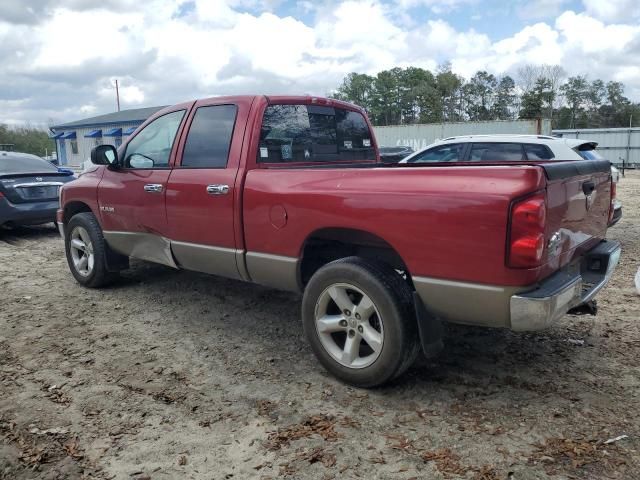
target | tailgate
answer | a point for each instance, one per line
(578, 202)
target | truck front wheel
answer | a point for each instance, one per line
(86, 251)
(359, 318)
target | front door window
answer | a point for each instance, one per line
(151, 148)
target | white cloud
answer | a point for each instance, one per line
(591, 36)
(88, 109)
(165, 51)
(618, 11)
(72, 38)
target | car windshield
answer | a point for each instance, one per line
(24, 163)
(450, 152)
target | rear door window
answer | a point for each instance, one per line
(452, 152)
(496, 152)
(313, 133)
(209, 137)
(536, 151)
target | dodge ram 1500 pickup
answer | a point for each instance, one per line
(289, 192)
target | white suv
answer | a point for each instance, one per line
(486, 148)
(514, 148)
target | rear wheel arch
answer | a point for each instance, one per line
(325, 245)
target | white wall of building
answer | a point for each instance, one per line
(86, 144)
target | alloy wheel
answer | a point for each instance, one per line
(349, 325)
(81, 251)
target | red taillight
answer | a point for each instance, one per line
(612, 206)
(526, 237)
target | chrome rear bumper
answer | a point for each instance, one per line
(539, 308)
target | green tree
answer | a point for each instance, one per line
(409, 95)
(533, 102)
(479, 95)
(356, 88)
(386, 107)
(449, 86)
(418, 87)
(575, 91)
(505, 99)
(27, 139)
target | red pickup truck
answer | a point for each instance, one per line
(289, 192)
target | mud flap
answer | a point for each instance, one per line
(429, 327)
(115, 261)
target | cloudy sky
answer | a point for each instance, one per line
(59, 57)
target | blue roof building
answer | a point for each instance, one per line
(74, 140)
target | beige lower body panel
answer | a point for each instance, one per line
(145, 246)
(273, 270)
(266, 269)
(467, 303)
(203, 258)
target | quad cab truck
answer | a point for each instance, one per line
(289, 192)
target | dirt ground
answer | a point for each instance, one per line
(179, 375)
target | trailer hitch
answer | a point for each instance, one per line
(587, 308)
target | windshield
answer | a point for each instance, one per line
(24, 163)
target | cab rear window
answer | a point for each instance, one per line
(313, 133)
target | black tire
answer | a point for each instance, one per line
(393, 299)
(99, 276)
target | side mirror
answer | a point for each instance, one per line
(104, 155)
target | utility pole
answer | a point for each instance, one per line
(117, 95)
(628, 144)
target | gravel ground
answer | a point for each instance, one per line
(179, 375)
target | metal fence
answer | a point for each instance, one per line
(420, 135)
(621, 146)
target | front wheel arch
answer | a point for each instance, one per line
(73, 208)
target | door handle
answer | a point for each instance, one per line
(588, 187)
(217, 189)
(153, 188)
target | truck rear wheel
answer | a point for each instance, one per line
(359, 318)
(86, 251)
